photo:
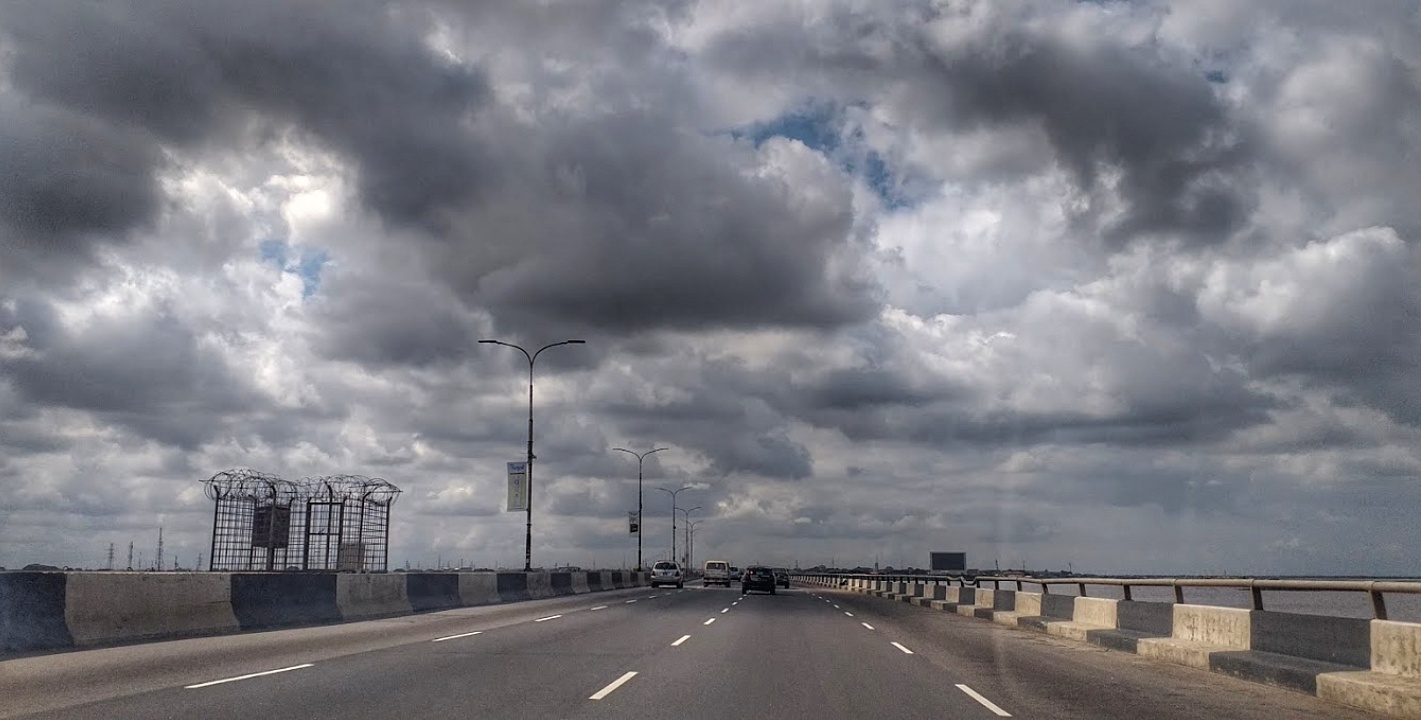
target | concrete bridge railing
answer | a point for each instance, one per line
(1374, 664)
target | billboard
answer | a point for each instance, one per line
(517, 486)
(947, 561)
(271, 526)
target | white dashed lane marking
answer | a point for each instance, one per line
(984, 701)
(684, 638)
(456, 637)
(900, 647)
(870, 627)
(708, 621)
(247, 677)
(604, 692)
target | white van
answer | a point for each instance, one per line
(717, 572)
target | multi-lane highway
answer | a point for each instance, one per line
(698, 652)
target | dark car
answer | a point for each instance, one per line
(782, 578)
(758, 577)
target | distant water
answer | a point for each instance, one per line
(1402, 607)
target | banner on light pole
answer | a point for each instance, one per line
(632, 523)
(517, 486)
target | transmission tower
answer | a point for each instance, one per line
(130, 554)
(158, 558)
(110, 564)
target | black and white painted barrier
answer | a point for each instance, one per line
(57, 610)
(1371, 664)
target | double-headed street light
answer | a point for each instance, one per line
(686, 557)
(673, 494)
(532, 357)
(640, 528)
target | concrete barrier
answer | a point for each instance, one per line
(1199, 631)
(433, 591)
(479, 589)
(32, 612)
(1087, 614)
(607, 583)
(1054, 609)
(512, 587)
(1392, 685)
(540, 585)
(955, 598)
(560, 583)
(984, 599)
(56, 610)
(273, 600)
(1024, 604)
(580, 584)
(367, 596)
(1292, 650)
(121, 607)
(1135, 621)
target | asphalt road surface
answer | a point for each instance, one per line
(698, 652)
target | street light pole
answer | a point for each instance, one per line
(691, 539)
(673, 495)
(640, 528)
(532, 357)
(687, 514)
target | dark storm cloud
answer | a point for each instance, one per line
(1180, 153)
(640, 225)
(150, 375)
(723, 414)
(1161, 126)
(381, 322)
(356, 76)
(64, 178)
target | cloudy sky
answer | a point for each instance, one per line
(1130, 286)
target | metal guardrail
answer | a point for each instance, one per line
(1375, 589)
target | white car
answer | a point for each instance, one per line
(666, 573)
(717, 572)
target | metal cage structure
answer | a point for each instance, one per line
(261, 522)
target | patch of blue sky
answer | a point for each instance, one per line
(817, 128)
(307, 264)
(820, 128)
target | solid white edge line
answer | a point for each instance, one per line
(870, 627)
(247, 677)
(684, 638)
(708, 621)
(550, 617)
(984, 701)
(630, 602)
(600, 607)
(456, 637)
(906, 651)
(604, 692)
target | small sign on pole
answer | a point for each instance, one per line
(632, 523)
(517, 486)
